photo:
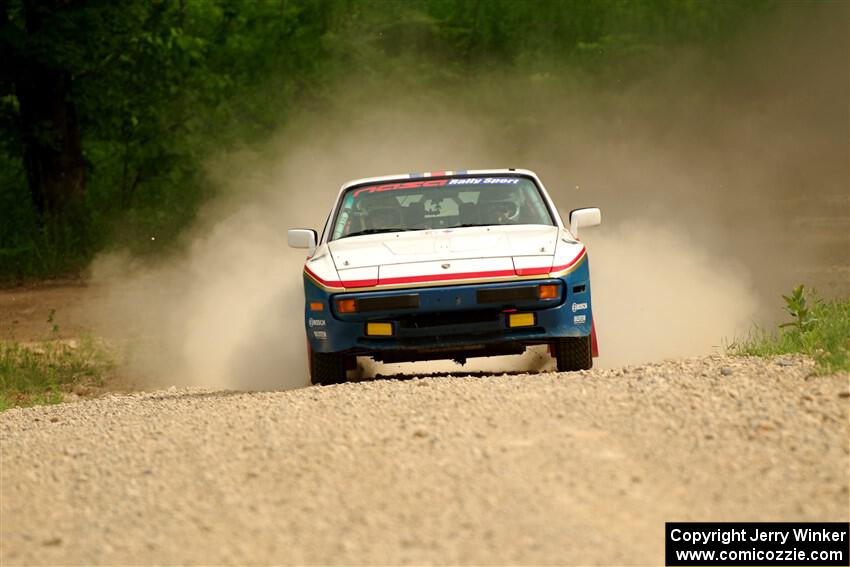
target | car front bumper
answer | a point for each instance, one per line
(448, 321)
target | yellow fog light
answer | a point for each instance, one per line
(521, 320)
(379, 329)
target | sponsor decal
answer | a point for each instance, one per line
(316, 322)
(438, 183)
(579, 319)
(322, 335)
(406, 185)
(579, 307)
(485, 181)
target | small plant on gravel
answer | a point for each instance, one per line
(41, 372)
(795, 304)
(820, 329)
(51, 320)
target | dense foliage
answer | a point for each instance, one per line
(109, 109)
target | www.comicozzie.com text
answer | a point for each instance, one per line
(742, 534)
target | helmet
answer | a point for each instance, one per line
(499, 205)
(382, 210)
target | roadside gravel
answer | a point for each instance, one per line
(580, 468)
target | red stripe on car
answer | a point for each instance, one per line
(444, 277)
(569, 264)
(326, 283)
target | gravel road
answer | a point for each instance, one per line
(579, 468)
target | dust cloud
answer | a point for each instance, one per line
(659, 294)
(219, 316)
(720, 189)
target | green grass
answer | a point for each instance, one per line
(39, 373)
(820, 328)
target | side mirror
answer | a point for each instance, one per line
(302, 238)
(584, 218)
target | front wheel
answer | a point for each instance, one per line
(327, 368)
(573, 353)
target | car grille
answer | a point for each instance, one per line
(507, 294)
(447, 318)
(389, 303)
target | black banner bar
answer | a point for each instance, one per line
(757, 543)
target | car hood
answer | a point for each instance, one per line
(392, 257)
(446, 244)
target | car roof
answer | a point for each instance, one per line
(427, 174)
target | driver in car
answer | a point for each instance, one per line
(382, 212)
(499, 205)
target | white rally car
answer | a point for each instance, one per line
(446, 265)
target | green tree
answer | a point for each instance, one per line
(48, 125)
(108, 109)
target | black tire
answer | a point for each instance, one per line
(327, 368)
(573, 353)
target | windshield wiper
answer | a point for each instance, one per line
(374, 231)
(469, 225)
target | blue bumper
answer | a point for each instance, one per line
(448, 320)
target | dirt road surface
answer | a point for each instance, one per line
(579, 468)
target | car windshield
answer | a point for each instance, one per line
(439, 203)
